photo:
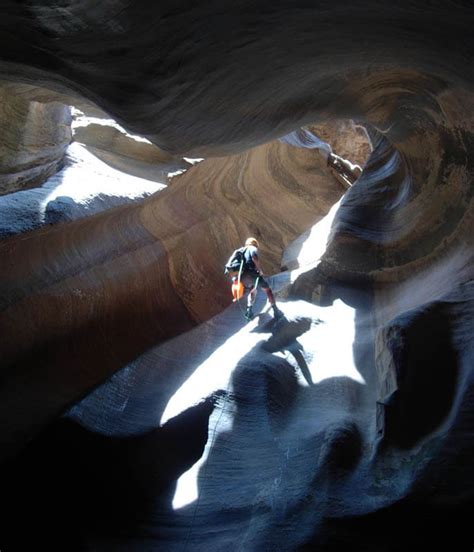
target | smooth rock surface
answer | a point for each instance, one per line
(34, 139)
(382, 462)
(127, 154)
(83, 187)
(155, 266)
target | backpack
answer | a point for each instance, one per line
(236, 260)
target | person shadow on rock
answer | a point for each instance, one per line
(284, 333)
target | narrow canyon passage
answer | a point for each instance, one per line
(138, 409)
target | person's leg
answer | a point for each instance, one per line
(270, 296)
(250, 302)
(251, 297)
(249, 282)
(268, 290)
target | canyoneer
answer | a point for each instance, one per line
(247, 274)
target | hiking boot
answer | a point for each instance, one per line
(249, 313)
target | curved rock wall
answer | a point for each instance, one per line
(34, 139)
(126, 153)
(94, 294)
(83, 187)
(155, 266)
(202, 61)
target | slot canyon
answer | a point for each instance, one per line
(141, 143)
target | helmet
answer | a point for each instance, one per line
(252, 241)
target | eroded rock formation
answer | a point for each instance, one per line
(128, 154)
(166, 255)
(34, 138)
(291, 466)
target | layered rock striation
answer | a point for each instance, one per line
(34, 140)
(155, 266)
(126, 153)
(176, 86)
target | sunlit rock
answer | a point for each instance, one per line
(155, 266)
(126, 153)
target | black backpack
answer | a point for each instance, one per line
(236, 260)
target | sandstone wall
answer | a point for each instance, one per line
(81, 300)
(156, 267)
(34, 141)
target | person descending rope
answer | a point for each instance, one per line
(246, 271)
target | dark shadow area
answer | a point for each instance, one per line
(270, 468)
(71, 485)
(426, 364)
(403, 527)
(281, 455)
